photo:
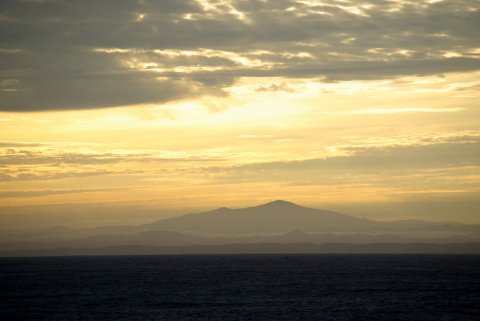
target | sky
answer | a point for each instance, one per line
(125, 111)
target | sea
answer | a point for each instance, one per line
(241, 287)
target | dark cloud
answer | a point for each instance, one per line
(48, 57)
(87, 91)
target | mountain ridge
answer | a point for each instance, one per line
(278, 222)
(281, 216)
(272, 217)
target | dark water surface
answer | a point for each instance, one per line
(242, 287)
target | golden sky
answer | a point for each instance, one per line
(149, 108)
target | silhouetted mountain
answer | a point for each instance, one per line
(275, 217)
(282, 216)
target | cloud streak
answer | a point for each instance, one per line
(464, 152)
(48, 192)
(49, 155)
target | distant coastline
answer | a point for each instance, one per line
(263, 248)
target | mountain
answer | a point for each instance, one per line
(279, 223)
(282, 216)
(274, 217)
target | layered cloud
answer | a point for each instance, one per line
(67, 54)
(451, 160)
(404, 165)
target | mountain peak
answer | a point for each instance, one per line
(276, 216)
(220, 209)
(295, 233)
(279, 203)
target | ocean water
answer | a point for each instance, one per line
(241, 287)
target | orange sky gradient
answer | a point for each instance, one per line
(376, 116)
